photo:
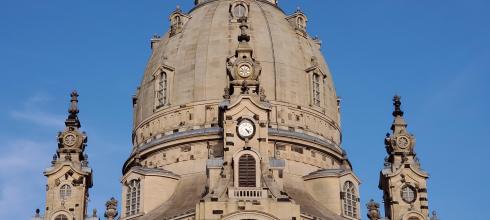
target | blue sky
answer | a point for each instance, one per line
(435, 54)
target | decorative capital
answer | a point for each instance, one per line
(397, 104)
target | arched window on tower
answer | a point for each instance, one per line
(247, 171)
(176, 20)
(350, 200)
(65, 192)
(162, 89)
(61, 217)
(301, 23)
(133, 198)
(316, 90)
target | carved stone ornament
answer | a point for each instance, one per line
(111, 209)
(373, 210)
(242, 66)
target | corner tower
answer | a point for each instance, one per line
(69, 176)
(402, 180)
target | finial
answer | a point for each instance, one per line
(397, 103)
(434, 216)
(94, 213)
(111, 209)
(373, 210)
(72, 119)
(37, 213)
(244, 37)
(73, 110)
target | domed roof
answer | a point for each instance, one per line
(196, 52)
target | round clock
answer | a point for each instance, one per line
(70, 139)
(246, 128)
(403, 142)
(244, 70)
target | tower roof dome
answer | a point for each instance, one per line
(193, 56)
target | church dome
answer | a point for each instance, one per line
(236, 103)
(193, 57)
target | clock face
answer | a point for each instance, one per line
(69, 139)
(403, 142)
(244, 71)
(246, 129)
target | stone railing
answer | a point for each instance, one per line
(247, 193)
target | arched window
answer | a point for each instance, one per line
(350, 200)
(239, 11)
(301, 23)
(247, 171)
(133, 198)
(316, 89)
(176, 20)
(61, 217)
(65, 192)
(162, 89)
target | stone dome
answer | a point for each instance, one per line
(237, 102)
(194, 56)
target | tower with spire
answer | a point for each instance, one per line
(69, 176)
(402, 179)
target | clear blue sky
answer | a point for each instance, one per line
(436, 54)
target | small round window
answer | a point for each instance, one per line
(239, 11)
(409, 195)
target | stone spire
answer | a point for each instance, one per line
(69, 171)
(72, 120)
(399, 124)
(402, 180)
